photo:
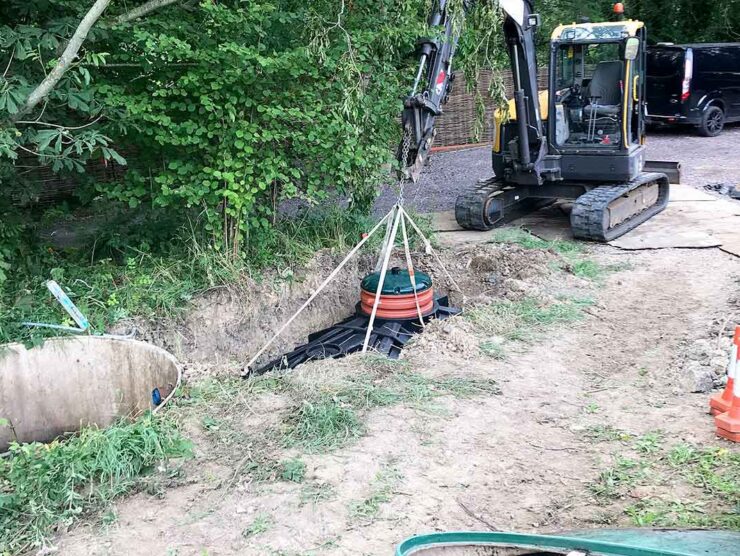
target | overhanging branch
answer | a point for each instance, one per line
(66, 59)
(143, 10)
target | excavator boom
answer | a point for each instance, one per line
(435, 73)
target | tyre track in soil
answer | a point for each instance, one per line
(517, 461)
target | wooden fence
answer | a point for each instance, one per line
(457, 125)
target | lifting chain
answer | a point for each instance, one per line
(405, 147)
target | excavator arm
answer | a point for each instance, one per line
(422, 107)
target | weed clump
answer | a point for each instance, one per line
(44, 487)
(384, 484)
(322, 425)
(709, 480)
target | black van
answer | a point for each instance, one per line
(696, 84)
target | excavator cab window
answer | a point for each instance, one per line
(589, 94)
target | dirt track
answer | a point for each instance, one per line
(520, 460)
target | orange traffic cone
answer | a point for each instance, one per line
(728, 424)
(720, 402)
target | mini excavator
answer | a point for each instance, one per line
(583, 139)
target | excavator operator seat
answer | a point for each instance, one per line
(605, 89)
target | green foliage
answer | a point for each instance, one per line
(322, 425)
(624, 474)
(606, 433)
(259, 525)
(226, 109)
(678, 21)
(715, 472)
(523, 320)
(314, 493)
(44, 486)
(330, 417)
(141, 282)
(383, 486)
(61, 132)
(682, 485)
(293, 470)
(519, 236)
(685, 21)
(493, 349)
(231, 107)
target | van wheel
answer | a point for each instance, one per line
(712, 122)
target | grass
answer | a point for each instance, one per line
(293, 470)
(689, 486)
(591, 270)
(649, 443)
(606, 433)
(573, 259)
(322, 425)
(141, 281)
(523, 320)
(714, 473)
(678, 513)
(614, 481)
(330, 413)
(44, 487)
(331, 417)
(493, 349)
(315, 493)
(523, 238)
(587, 269)
(383, 486)
(260, 524)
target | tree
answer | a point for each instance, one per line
(232, 107)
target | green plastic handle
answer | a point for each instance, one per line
(520, 540)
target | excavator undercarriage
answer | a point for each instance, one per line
(601, 213)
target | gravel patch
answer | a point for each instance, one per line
(704, 160)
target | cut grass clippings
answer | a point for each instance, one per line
(46, 487)
(521, 321)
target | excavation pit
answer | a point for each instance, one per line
(405, 303)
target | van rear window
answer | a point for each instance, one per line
(665, 62)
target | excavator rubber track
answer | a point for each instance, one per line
(471, 206)
(490, 203)
(609, 211)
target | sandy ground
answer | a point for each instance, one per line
(514, 461)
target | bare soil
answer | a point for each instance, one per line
(519, 460)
